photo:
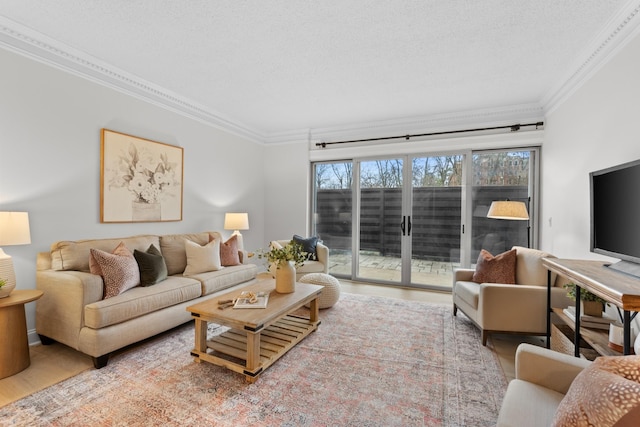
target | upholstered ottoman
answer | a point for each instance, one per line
(331, 292)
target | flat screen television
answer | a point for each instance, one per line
(615, 215)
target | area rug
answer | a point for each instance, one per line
(373, 362)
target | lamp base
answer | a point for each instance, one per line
(7, 274)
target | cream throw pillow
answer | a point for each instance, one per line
(201, 259)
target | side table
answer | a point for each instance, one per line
(14, 343)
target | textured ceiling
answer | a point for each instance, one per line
(280, 65)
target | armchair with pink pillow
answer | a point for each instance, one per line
(508, 293)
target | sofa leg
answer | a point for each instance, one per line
(455, 309)
(100, 361)
(46, 340)
(484, 334)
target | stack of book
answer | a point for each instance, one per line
(587, 321)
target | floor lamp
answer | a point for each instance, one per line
(14, 230)
(511, 210)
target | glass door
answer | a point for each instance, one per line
(382, 221)
(409, 212)
(436, 215)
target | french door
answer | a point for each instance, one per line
(410, 220)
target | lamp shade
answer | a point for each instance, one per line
(508, 210)
(14, 228)
(236, 221)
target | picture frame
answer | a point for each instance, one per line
(140, 180)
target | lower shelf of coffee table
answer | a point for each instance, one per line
(229, 349)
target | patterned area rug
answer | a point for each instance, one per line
(372, 362)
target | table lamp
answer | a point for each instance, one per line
(236, 222)
(14, 230)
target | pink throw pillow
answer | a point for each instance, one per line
(496, 269)
(119, 272)
(229, 252)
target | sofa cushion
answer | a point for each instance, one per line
(140, 301)
(213, 281)
(527, 404)
(229, 251)
(173, 249)
(496, 269)
(602, 393)
(201, 259)
(310, 267)
(153, 268)
(468, 292)
(119, 272)
(74, 255)
(529, 268)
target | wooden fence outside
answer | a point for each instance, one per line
(436, 223)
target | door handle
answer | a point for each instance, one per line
(409, 226)
(402, 225)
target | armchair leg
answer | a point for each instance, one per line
(484, 334)
(455, 309)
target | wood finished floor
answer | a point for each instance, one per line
(54, 363)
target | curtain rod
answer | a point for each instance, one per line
(514, 128)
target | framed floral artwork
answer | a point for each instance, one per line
(140, 179)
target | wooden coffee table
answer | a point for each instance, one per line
(258, 336)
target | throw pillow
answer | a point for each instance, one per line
(308, 246)
(602, 393)
(496, 269)
(229, 252)
(119, 272)
(201, 259)
(94, 267)
(153, 268)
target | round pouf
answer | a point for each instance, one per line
(331, 292)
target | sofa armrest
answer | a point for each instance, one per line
(462, 275)
(322, 252)
(60, 310)
(547, 368)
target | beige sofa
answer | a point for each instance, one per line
(519, 308)
(72, 310)
(543, 377)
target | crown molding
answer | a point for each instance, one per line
(34, 45)
(618, 31)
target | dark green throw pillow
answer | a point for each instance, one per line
(308, 245)
(152, 266)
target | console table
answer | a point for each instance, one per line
(617, 288)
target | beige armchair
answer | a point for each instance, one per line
(508, 308)
(543, 378)
(321, 265)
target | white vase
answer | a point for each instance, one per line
(5, 291)
(285, 277)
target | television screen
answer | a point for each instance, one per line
(615, 212)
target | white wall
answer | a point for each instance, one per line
(595, 128)
(287, 189)
(50, 125)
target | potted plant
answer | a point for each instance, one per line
(286, 259)
(590, 304)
